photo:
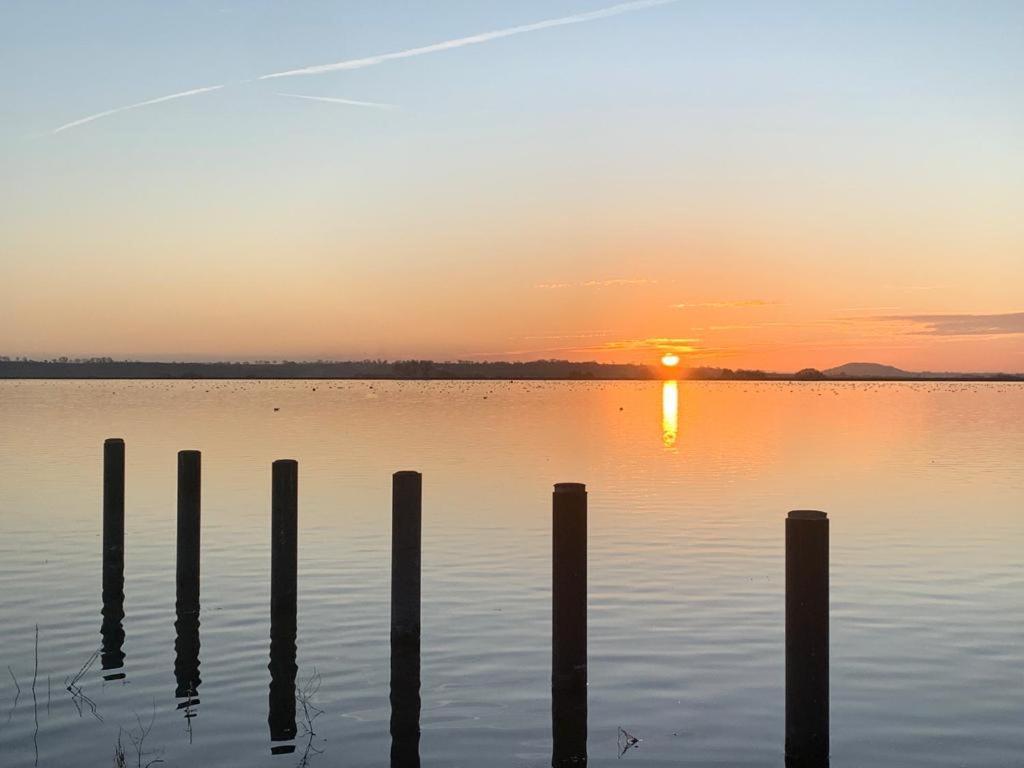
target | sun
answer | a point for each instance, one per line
(670, 359)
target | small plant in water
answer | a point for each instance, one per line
(137, 737)
(310, 712)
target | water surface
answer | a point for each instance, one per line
(689, 485)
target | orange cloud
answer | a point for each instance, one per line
(1010, 323)
(660, 344)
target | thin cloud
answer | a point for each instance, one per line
(909, 288)
(148, 102)
(1006, 324)
(659, 344)
(609, 283)
(641, 345)
(655, 343)
(868, 309)
(724, 304)
(559, 336)
(477, 39)
(336, 100)
(618, 281)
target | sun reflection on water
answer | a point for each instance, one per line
(669, 412)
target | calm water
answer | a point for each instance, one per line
(688, 485)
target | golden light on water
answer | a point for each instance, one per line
(670, 359)
(669, 412)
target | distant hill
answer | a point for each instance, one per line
(868, 371)
(879, 372)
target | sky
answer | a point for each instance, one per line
(757, 185)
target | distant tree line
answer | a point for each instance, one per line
(6, 359)
(728, 374)
(107, 368)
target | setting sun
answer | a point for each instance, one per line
(670, 359)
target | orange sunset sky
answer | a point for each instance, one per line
(749, 186)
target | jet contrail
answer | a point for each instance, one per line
(370, 61)
(98, 115)
(482, 37)
(334, 100)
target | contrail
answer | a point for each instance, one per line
(370, 61)
(334, 100)
(98, 115)
(483, 37)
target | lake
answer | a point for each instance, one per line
(689, 485)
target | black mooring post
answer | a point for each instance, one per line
(112, 628)
(189, 493)
(186, 625)
(569, 625)
(113, 520)
(284, 543)
(284, 552)
(406, 536)
(406, 543)
(807, 697)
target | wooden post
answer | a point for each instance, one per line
(406, 535)
(284, 551)
(189, 495)
(807, 689)
(569, 625)
(406, 541)
(112, 629)
(113, 520)
(186, 625)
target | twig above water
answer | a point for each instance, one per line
(626, 741)
(78, 696)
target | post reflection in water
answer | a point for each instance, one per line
(568, 727)
(669, 412)
(283, 670)
(112, 630)
(186, 661)
(405, 704)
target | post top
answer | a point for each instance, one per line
(114, 441)
(189, 453)
(807, 514)
(286, 463)
(570, 488)
(406, 473)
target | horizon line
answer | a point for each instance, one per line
(107, 360)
